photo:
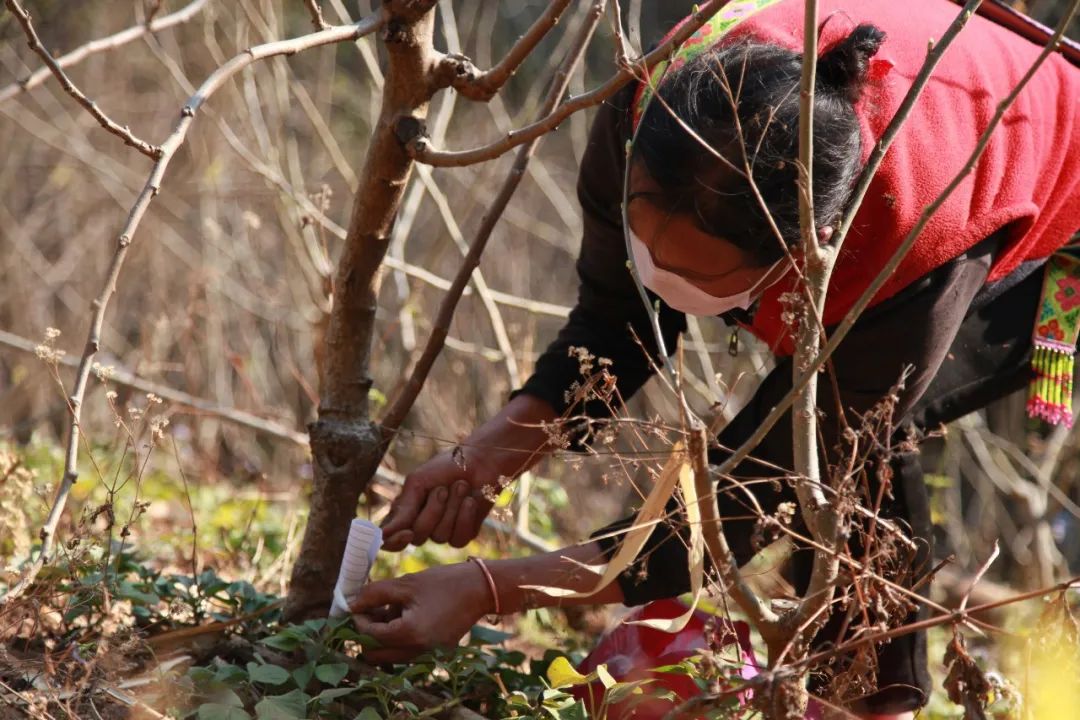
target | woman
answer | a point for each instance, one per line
(959, 311)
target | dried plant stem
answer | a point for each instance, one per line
(422, 152)
(124, 133)
(441, 327)
(116, 40)
(953, 618)
(127, 233)
(469, 81)
(712, 527)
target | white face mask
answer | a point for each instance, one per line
(681, 294)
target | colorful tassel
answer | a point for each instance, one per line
(1057, 328)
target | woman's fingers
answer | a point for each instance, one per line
(445, 528)
(431, 514)
(403, 512)
(373, 595)
(392, 635)
(468, 521)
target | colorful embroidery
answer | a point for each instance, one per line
(1057, 329)
(703, 38)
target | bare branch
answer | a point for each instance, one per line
(316, 14)
(764, 619)
(422, 152)
(822, 518)
(404, 401)
(463, 76)
(93, 47)
(168, 149)
(124, 133)
(124, 377)
(902, 112)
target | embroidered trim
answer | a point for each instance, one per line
(1057, 328)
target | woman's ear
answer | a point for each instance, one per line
(824, 234)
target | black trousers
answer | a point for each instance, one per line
(968, 344)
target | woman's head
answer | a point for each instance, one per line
(744, 97)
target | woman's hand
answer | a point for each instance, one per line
(443, 500)
(415, 613)
(447, 498)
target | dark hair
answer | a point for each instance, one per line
(764, 82)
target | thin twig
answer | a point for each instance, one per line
(122, 376)
(862, 184)
(124, 133)
(955, 617)
(464, 77)
(316, 14)
(345, 33)
(111, 42)
(764, 619)
(421, 150)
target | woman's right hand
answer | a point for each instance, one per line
(447, 498)
(443, 500)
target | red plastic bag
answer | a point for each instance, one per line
(631, 651)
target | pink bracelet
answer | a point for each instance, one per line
(490, 581)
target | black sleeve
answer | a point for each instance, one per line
(916, 328)
(608, 304)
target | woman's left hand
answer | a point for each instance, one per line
(415, 613)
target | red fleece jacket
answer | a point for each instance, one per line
(1028, 177)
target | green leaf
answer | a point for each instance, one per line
(332, 694)
(369, 713)
(568, 711)
(302, 675)
(332, 674)
(230, 674)
(290, 706)
(620, 691)
(267, 674)
(288, 639)
(200, 675)
(129, 592)
(481, 635)
(219, 711)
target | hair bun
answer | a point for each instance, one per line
(843, 67)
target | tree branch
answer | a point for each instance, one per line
(122, 376)
(421, 151)
(459, 72)
(404, 401)
(316, 14)
(902, 112)
(116, 40)
(124, 133)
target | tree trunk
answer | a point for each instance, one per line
(346, 445)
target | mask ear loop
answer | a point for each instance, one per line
(653, 311)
